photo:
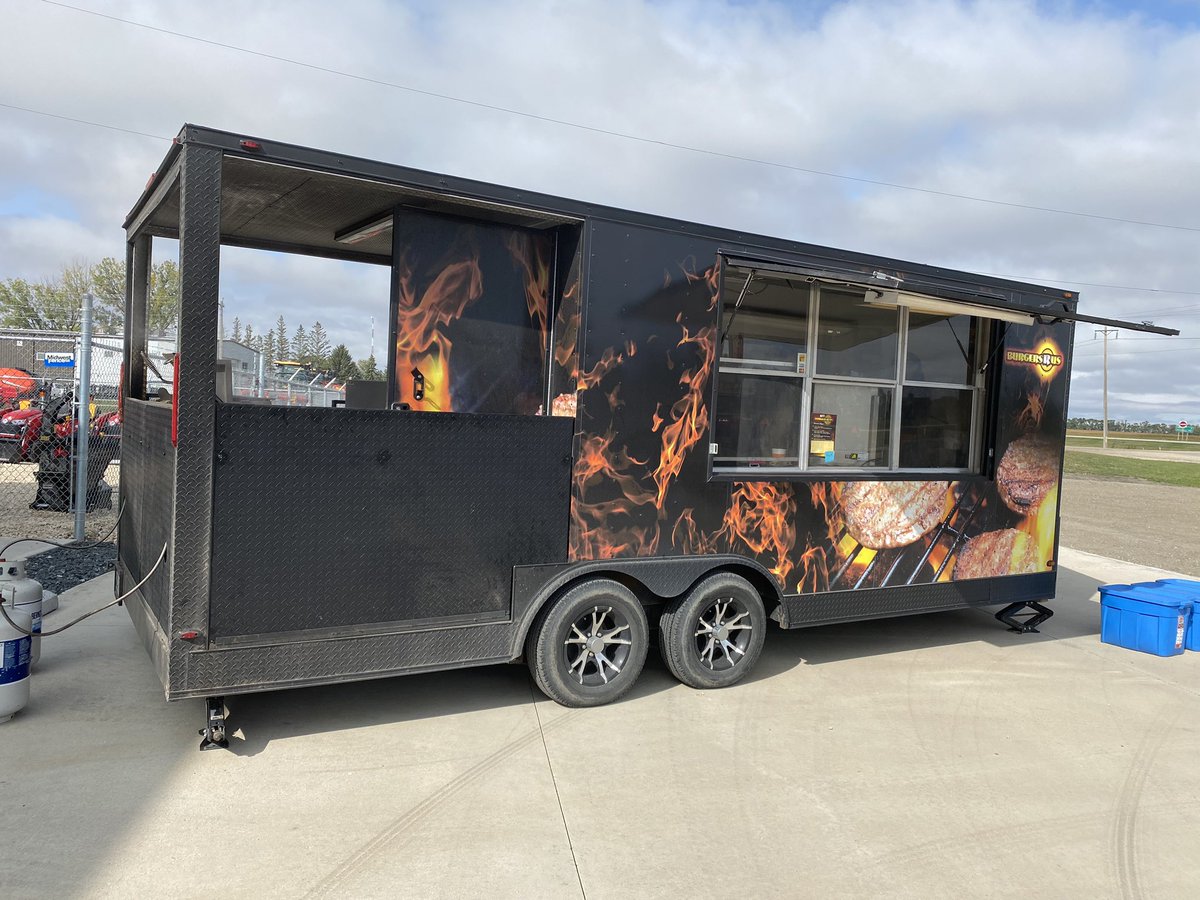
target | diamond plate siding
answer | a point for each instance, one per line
(330, 518)
(147, 490)
(199, 265)
(848, 606)
(243, 669)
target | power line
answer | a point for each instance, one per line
(1189, 310)
(607, 131)
(50, 115)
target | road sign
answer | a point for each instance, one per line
(59, 360)
(1183, 423)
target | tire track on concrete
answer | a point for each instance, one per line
(1123, 835)
(394, 833)
(986, 839)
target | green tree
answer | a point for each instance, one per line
(341, 364)
(248, 338)
(237, 329)
(267, 346)
(108, 287)
(300, 345)
(37, 305)
(165, 287)
(282, 348)
(368, 370)
(48, 305)
(108, 284)
(318, 346)
(56, 304)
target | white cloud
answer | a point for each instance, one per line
(1050, 105)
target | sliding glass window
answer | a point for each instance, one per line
(816, 377)
(762, 371)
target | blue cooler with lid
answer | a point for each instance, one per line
(1190, 589)
(1149, 617)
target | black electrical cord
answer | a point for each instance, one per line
(65, 545)
(114, 602)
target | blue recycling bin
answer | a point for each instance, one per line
(1189, 589)
(1148, 617)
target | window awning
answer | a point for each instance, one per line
(979, 305)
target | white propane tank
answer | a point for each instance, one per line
(15, 655)
(20, 591)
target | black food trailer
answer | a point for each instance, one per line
(593, 417)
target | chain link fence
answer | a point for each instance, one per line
(40, 434)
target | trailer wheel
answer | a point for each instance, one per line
(713, 636)
(588, 647)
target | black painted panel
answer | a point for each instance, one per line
(334, 517)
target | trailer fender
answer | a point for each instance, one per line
(653, 580)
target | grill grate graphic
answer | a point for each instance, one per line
(906, 565)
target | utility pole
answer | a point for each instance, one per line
(1106, 332)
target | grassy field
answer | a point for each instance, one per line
(1093, 465)
(1132, 440)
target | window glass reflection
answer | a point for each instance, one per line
(850, 426)
(757, 420)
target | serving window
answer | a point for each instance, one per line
(818, 377)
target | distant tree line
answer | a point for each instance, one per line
(308, 346)
(1085, 424)
(55, 304)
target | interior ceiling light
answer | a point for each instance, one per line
(364, 231)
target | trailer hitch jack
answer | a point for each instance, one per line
(213, 732)
(1031, 620)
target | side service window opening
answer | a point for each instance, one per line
(813, 377)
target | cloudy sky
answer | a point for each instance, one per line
(1092, 108)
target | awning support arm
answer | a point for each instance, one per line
(999, 343)
(736, 307)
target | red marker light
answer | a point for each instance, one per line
(188, 635)
(248, 144)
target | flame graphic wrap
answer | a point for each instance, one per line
(422, 317)
(642, 485)
(532, 258)
(471, 315)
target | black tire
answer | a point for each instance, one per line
(588, 647)
(701, 655)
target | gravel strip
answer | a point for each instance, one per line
(61, 569)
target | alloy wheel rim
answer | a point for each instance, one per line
(723, 633)
(597, 646)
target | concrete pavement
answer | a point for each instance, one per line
(933, 756)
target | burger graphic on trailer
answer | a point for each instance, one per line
(597, 422)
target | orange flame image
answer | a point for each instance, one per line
(1039, 527)
(688, 417)
(532, 256)
(762, 516)
(566, 332)
(421, 343)
(710, 276)
(608, 361)
(608, 528)
(814, 571)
